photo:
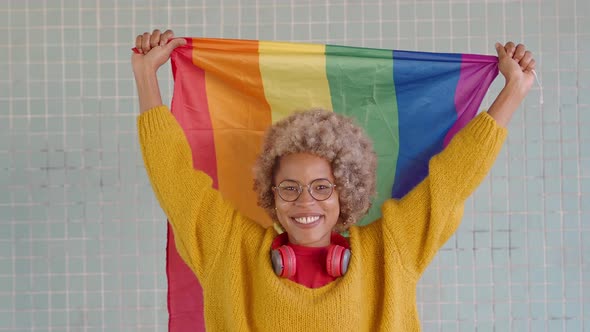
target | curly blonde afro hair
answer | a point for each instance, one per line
(328, 135)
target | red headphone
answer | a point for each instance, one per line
(283, 256)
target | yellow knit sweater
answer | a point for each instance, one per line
(230, 253)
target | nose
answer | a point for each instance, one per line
(305, 196)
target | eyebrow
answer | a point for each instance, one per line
(309, 181)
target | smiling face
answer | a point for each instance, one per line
(307, 221)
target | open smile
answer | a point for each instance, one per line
(306, 221)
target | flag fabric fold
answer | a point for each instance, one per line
(227, 92)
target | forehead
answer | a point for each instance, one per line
(303, 167)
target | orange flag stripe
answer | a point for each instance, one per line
(237, 87)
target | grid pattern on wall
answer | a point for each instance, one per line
(82, 239)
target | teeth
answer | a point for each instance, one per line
(306, 220)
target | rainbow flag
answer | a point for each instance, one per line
(227, 92)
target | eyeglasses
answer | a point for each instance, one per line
(290, 190)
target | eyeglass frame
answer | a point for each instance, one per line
(300, 191)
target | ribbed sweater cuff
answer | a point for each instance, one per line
(155, 120)
(484, 128)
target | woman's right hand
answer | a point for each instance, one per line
(153, 50)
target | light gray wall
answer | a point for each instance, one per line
(82, 240)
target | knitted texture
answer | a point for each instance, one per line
(230, 254)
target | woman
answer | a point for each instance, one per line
(315, 176)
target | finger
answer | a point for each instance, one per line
(155, 39)
(526, 59)
(510, 48)
(501, 50)
(168, 34)
(175, 43)
(138, 43)
(145, 42)
(531, 66)
(519, 52)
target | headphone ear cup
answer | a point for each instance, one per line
(283, 261)
(337, 260)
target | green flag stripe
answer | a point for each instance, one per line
(361, 86)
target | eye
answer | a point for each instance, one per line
(289, 188)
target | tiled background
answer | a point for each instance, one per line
(82, 239)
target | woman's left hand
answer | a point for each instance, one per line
(517, 65)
